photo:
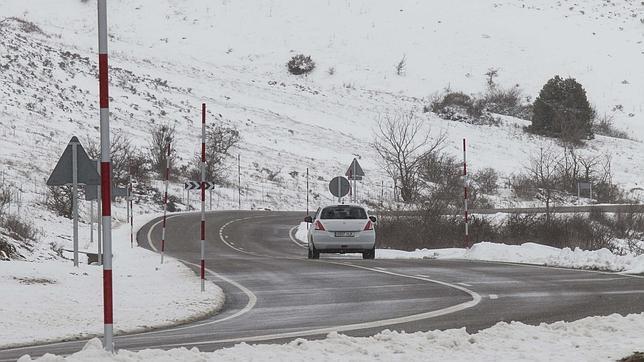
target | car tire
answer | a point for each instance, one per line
(369, 254)
(313, 252)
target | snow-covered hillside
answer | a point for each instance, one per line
(168, 56)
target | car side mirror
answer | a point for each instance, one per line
(372, 218)
(308, 219)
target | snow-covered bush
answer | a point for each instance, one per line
(300, 64)
(507, 102)
(486, 179)
(460, 107)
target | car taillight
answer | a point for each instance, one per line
(369, 226)
(318, 225)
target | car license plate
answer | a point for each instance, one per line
(343, 234)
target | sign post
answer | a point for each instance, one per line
(74, 167)
(339, 187)
(355, 173)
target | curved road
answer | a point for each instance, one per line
(274, 293)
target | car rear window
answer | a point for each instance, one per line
(343, 212)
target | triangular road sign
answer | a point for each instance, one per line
(354, 172)
(62, 174)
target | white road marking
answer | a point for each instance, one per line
(588, 280)
(290, 235)
(493, 296)
(252, 298)
(476, 299)
(465, 284)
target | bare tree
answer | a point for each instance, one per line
(401, 140)
(544, 172)
(121, 153)
(162, 136)
(219, 140)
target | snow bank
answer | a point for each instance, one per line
(301, 232)
(590, 339)
(529, 253)
(52, 300)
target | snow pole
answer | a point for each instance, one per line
(131, 208)
(203, 196)
(106, 182)
(239, 181)
(467, 235)
(165, 199)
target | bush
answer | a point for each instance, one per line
(604, 126)
(433, 230)
(6, 248)
(300, 64)
(507, 102)
(458, 106)
(523, 187)
(486, 180)
(162, 136)
(20, 230)
(59, 200)
(562, 110)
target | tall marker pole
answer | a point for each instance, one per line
(106, 175)
(203, 196)
(165, 199)
(239, 180)
(467, 235)
(99, 226)
(131, 208)
(307, 195)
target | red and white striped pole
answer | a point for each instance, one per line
(467, 235)
(203, 196)
(165, 199)
(130, 199)
(106, 173)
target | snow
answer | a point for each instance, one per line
(529, 253)
(50, 300)
(526, 253)
(301, 232)
(606, 338)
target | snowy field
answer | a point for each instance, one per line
(169, 56)
(50, 300)
(590, 339)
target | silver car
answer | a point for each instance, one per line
(342, 229)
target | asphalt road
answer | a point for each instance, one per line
(275, 294)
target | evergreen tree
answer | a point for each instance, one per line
(562, 110)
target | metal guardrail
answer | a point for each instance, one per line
(532, 210)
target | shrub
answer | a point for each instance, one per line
(19, 229)
(507, 102)
(6, 248)
(562, 110)
(458, 106)
(604, 126)
(59, 200)
(523, 187)
(162, 136)
(487, 180)
(300, 64)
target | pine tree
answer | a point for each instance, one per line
(562, 110)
